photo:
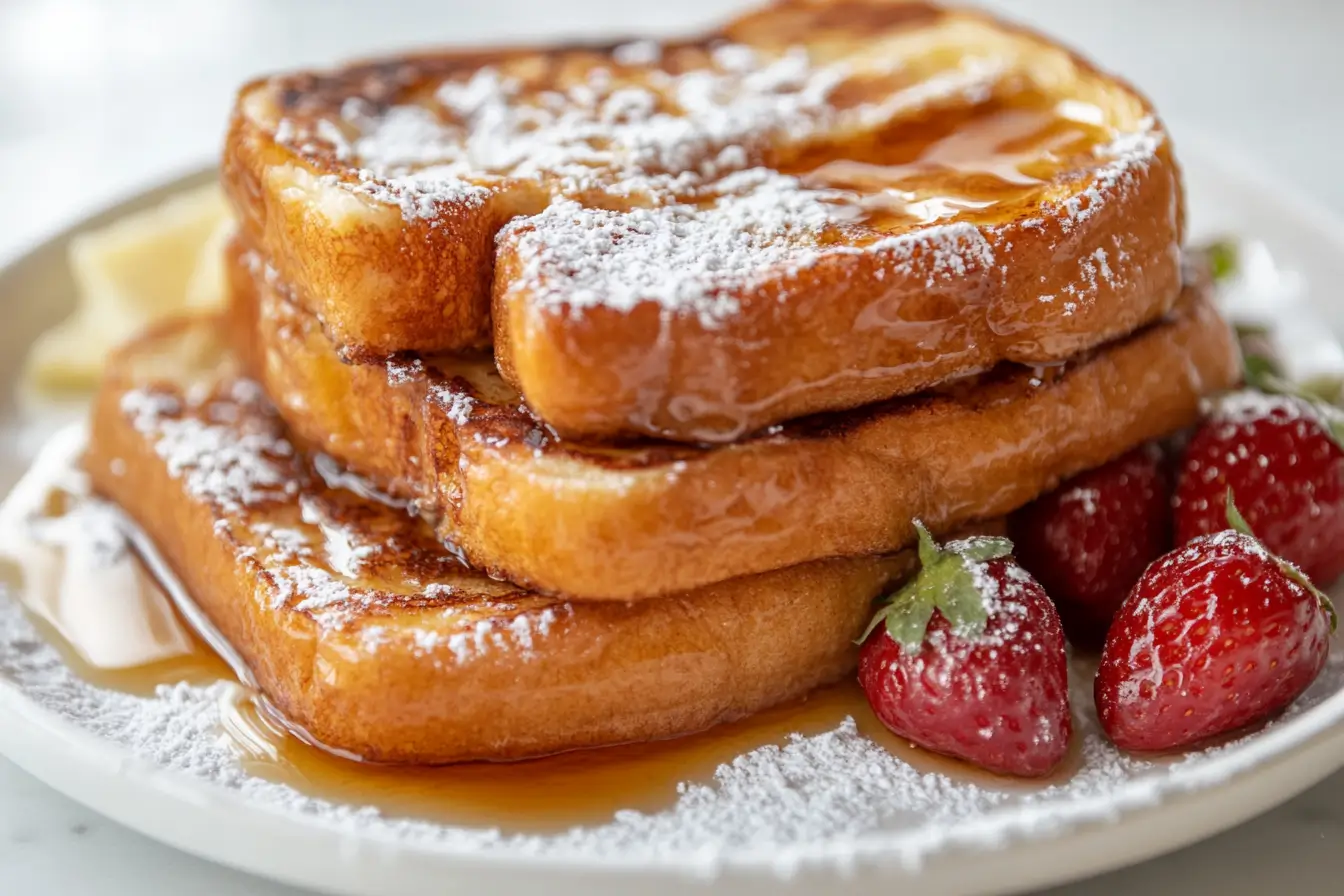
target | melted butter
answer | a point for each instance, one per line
(194, 663)
(479, 372)
(163, 639)
(69, 563)
(980, 164)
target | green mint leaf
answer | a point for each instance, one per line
(1222, 256)
(981, 549)
(908, 620)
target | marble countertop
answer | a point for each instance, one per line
(150, 81)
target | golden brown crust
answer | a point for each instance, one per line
(847, 331)
(369, 656)
(653, 518)
(1084, 256)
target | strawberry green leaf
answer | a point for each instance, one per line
(1222, 256)
(884, 606)
(946, 582)
(960, 600)
(1260, 365)
(1261, 372)
(1247, 330)
(1255, 339)
(1329, 389)
(908, 620)
(981, 549)
(929, 552)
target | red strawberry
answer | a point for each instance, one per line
(1216, 635)
(968, 660)
(1088, 541)
(1278, 454)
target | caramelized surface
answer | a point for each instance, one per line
(643, 519)
(820, 206)
(376, 641)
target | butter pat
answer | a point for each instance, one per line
(140, 268)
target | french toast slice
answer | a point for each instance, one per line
(368, 635)
(823, 204)
(644, 519)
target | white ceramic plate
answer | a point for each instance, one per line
(776, 822)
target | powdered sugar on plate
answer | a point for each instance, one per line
(833, 798)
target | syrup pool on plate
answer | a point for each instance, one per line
(80, 580)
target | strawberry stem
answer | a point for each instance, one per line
(1235, 520)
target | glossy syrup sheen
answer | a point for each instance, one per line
(546, 795)
(540, 795)
(981, 164)
(156, 645)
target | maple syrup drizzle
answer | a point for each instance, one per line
(550, 794)
(978, 164)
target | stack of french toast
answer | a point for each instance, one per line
(585, 395)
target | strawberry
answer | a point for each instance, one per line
(1279, 455)
(1216, 635)
(968, 659)
(1088, 541)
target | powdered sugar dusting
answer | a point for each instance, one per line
(1248, 405)
(646, 173)
(762, 228)
(1087, 498)
(1125, 158)
(231, 469)
(227, 446)
(832, 800)
(775, 808)
(627, 135)
(683, 258)
(456, 404)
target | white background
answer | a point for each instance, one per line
(101, 97)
